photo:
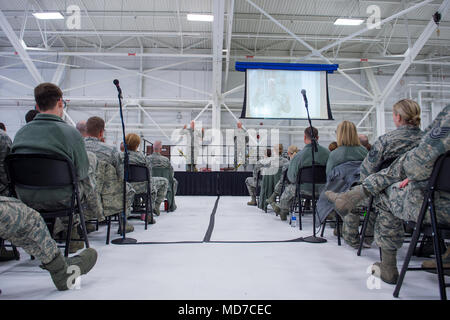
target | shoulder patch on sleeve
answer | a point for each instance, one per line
(439, 132)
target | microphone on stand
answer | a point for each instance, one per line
(123, 239)
(305, 98)
(116, 83)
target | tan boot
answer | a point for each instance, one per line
(252, 202)
(432, 263)
(345, 202)
(271, 199)
(283, 215)
(387, 268)
(277, 209)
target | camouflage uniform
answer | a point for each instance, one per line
(192, 147)
(159, 161)
(397, 205)
(158, 185)
(240, 142)
(301, 159)
(390, 145)
(25, 228)
(251, 181)
(5, 149)
(109, 177)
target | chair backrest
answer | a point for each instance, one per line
(162, 172)
(40, 171)
(305, 174)
(138, 173)
(440, 177)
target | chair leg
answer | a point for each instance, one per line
(412, 246)
(437, 252)
(83, 229)
(68, 236)
(108, 229)
(364, 227)
(338, 228)
(323, 227)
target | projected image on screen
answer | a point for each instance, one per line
(277, 94)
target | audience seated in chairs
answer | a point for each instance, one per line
(159, 185)
(161, 167)
(401, 188)
(301, 159)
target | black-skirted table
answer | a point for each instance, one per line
(224, 183)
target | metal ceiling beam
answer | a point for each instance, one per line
(314, 51)
(7, 29)
(228, 45)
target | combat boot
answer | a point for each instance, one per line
(277, 209)
(272, 199)
(387, 268)
(156, 208)
(252, 202)
(432, 263)
(346, 201)
(283, 214)
(7, 255)
(58, 267)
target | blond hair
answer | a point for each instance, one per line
(409, 110)
(347, 134)
(293, 149)
(133, 141)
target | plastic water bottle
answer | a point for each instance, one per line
(293, 220)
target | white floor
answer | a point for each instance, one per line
(295, 270)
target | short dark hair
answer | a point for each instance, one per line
(30, 115)
(308, 132)
(269, 152)
(47, 95)
(94, 126)
(2, 126)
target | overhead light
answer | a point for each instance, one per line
(224, 50)
(348, 22)
(200, 17)
(48, 15)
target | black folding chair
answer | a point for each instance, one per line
(338, 221)
(439, 181)
(35, 171)
(258, 187)
(12, 246)
(383, 165)
(306, 175)
(138, 173)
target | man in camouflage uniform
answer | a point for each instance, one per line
(25, 227)
(390, 145)
(159, 161)
(301, 159)
(240, 142)
(193, 144)
(401, 188)
(49, 133)
(292, 151)
(111, 182)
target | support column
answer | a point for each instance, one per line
(217, 43)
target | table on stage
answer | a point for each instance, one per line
(224, 183)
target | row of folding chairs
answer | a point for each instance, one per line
(49, 172)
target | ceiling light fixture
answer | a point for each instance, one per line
(348, 22)
(200, 17)
(48, 15)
